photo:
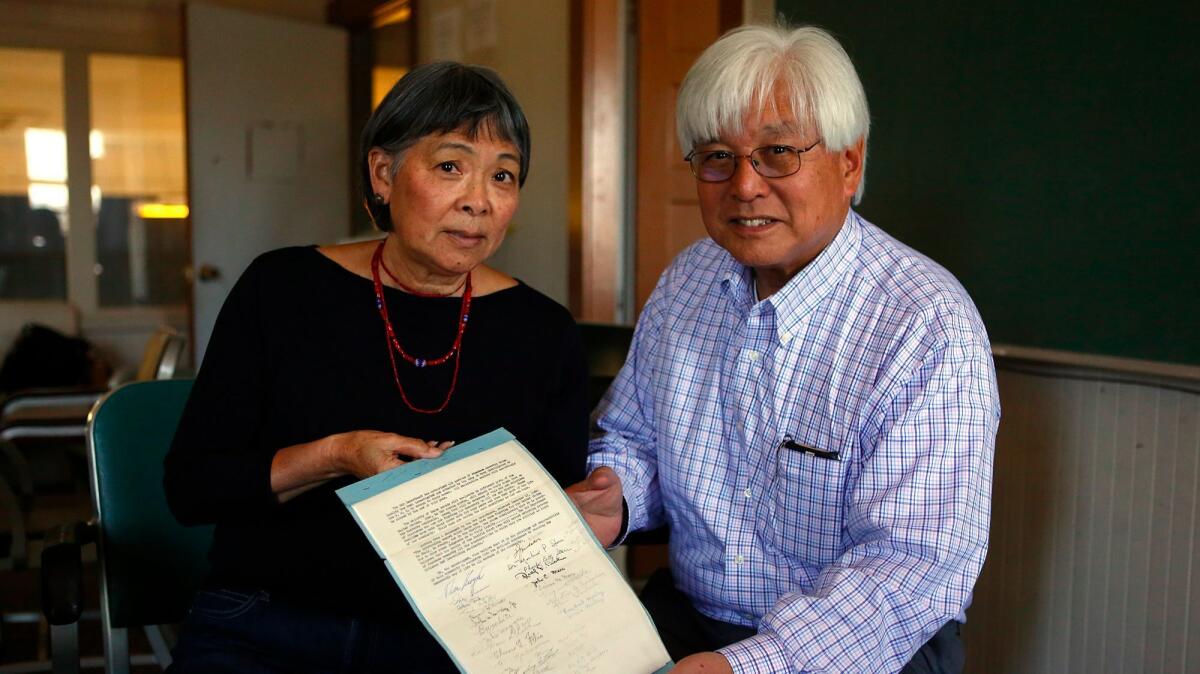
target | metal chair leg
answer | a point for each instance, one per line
(158, 644)
(64, 648)
(116, 649)
(20, 467)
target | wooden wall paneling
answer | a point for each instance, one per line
(1093, 548)
(1179, 557)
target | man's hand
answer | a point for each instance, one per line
(708, 663)
(599, 501)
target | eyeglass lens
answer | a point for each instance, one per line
(773, 161)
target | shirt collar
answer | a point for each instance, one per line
(804, 291)
(736, 281)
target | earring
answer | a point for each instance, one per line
(379, 199)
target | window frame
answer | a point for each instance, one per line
(82, 284)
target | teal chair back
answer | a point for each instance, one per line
(150, 564)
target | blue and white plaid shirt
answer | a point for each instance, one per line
(872, 352)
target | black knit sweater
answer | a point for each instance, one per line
(297, 354)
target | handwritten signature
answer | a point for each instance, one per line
(544, 662)
(520, 549)
(469, 584)
(534, 560)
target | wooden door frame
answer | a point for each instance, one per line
(602, 160)
(598, 156)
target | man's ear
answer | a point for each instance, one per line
(379, 164)
(851, 161)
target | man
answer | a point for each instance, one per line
(808, 403)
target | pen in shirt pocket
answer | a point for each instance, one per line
(790, 444)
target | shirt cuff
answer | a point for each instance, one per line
(624, 525)
(762, 652)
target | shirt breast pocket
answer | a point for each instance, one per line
(806, 506)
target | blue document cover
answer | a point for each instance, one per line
(354, 494)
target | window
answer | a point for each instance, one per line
(33, 176)
(139, 191)
(139, 248)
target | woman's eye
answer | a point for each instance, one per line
(448, 166)
(504, 177)
(720, 155)
(780, 149)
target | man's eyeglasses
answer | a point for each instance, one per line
(769, 161)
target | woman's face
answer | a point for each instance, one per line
(450, 200)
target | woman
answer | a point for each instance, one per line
(331, 364)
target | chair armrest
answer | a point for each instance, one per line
(62, 571)
(42, 398)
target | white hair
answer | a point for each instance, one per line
(741, 71)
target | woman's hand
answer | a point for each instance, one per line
(365, 453)
(296, 469)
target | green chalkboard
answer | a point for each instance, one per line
(1046, 155)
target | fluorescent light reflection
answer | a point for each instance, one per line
(162, 211)
(46, 155)
(49, 196)
(96, 144)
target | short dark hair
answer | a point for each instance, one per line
(437, 98)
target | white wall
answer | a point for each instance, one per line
(531, 55)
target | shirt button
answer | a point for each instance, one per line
(738, 560)
(753, 356)
(748, 493)
(785, 337)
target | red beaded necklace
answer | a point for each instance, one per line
(393, 344)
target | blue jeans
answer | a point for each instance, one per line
(251, 633)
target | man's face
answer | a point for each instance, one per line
(776, 226)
